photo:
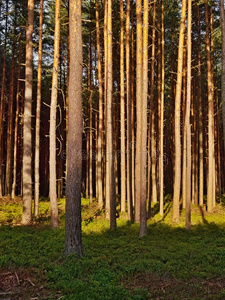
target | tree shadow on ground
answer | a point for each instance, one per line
(169, 263)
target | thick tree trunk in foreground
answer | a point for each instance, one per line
(52, 137)
(27, 134)
(73, 238)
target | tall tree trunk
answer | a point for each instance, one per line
(122, 113)
(222, 16)
(187, 119)
(73, 238)
(8, 176)
(90, 129)
(161, 153)
(143, 215)
(38, 117)
(200, 124)
(110, 178)
(2, 105)
(139, 97)
(100, 124)
(177, 175)
(52, 138)
(211, 151)
(152, 112)
(152, 143)
(129, 128)
(27, 132)
(15, 150)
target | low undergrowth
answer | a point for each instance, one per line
(169, 263)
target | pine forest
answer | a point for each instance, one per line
(112, 133)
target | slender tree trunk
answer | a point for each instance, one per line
(122, 113)
(139, 97)
(200, 124)
(90, 129)
(152, 143)
(15, 151)
(187, 119)
(38, 117)
(177, 175)
(2, 106)
(110, 178)
(161, 152)
(52, 143)
(211, 151)
(100, 124)
(222, 16)
(8, 176)
(152, 112)
(143, 215)
(73, 238)
(129, 128)
(27, 133)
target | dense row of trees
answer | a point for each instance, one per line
(126, 107)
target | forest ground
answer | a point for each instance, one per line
(169, 263)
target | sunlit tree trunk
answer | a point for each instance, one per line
(122, 112)
(139, 99)
(222, 16)
(161, 152)
(211, 150)
(152, 112)
(143, 215)
(129, 128)
(177, 167)
(73, 237)
(52, 138)
(27, 131)
(38, 117)
(110, 178)
(90, 129)
(100, 124)
(187, 119)
(200, 124)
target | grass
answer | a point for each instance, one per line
(169, 263)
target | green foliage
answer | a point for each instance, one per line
(114, 260)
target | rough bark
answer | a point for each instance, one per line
(177, 167)
(52, 135)
(73, 238)
(100, 124)
(122, 113)
(110, 178)
(38, 117)
(27, 131)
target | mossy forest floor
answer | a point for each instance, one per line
(169, 263)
